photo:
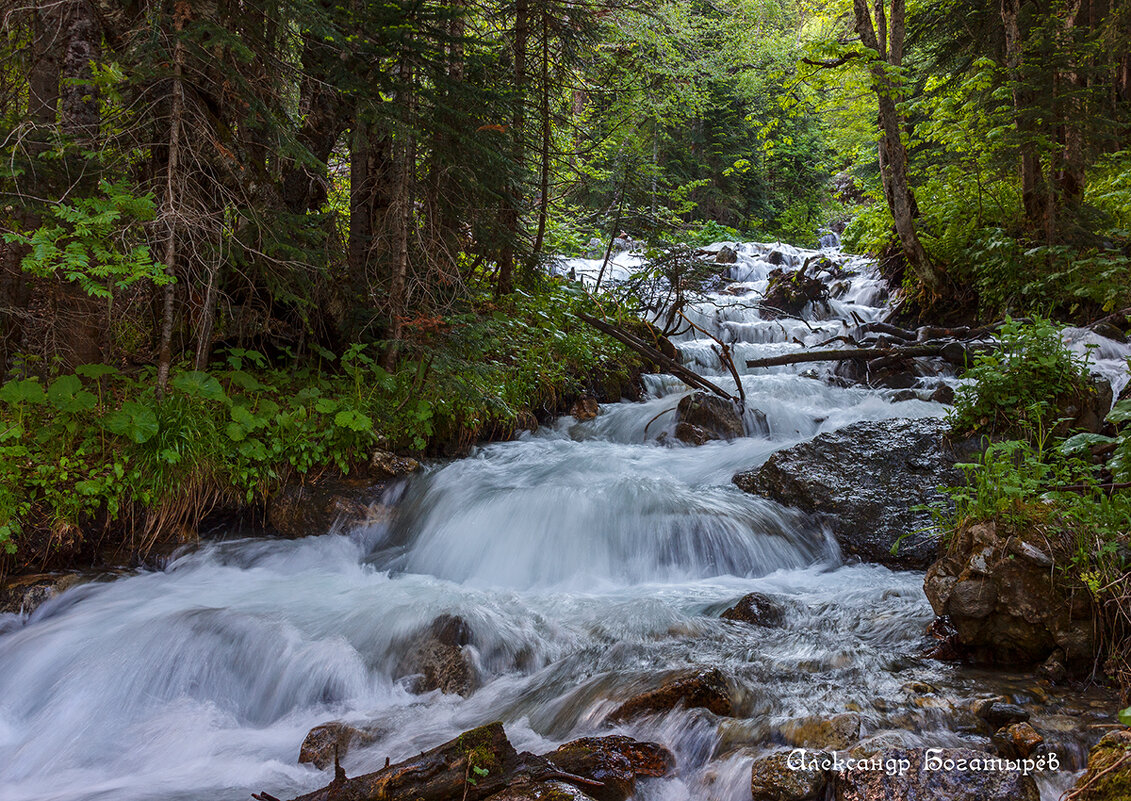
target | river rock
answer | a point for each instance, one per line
(701, 416)
(585, 409)
(756, 609)
(386, 465)
(864, 481)
(920, 784)
(788, 294)
(1084, 410)
(615, 761)
(1108, 777)
(313, 508)
(1018, 740)
(1000, 596)
(726, 255)
(706, 690)
(772, 778)
(998, 712)
(835, 733)
(25, 594)
(334, 739)
(438, 659)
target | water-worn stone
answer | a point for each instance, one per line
(705, 690)
(615, 761)
(920, 784)
(386, 465)
(25, 594)
(1004, 602)
(756, 609)
(789, 293)
(585, 409)
(308, 509)
(835, 733)
(438, 659)
(1108, 777)
(327, 740)
(726, 255)
(701, 416)
(998, 712)
(773, 779)
(865, 481)
(1018, 739)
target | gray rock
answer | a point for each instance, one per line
(864, 481)
(776, 778)
(726, 255)
(701, 416)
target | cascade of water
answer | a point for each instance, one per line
(587, 559)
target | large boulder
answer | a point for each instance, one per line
(303, 509)
(25, 594)
(705, 690)
(865, 481)
(701, 416)
(1004, 601)
(788, 294)
(954, 774)
(756, 609)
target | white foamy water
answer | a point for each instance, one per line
(590, 560)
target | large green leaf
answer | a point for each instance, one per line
(29, 390)
(67, 395)
(134, 421)
(353, 420)
(1120, 412)
(199, 384)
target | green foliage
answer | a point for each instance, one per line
(89, 242)
(1015, 387)
(99, 442)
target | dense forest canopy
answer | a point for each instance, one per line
(194, 189)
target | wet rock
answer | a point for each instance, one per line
(1000, 595)
(1108, 777)
(615, 761)
(998, 712)
(335, 738)
(775, 257)
(944, 393)
(778, 778)
(438, 658)
(836, 733)
(726, 255)
(1054, 668)
(1017, 740)
(920, 782)
(701, 416)
(1105, 329)
(706, 690)
(527, 790)
(313, 508)
(788, 294)
(865, 481)
(386, 465)
(25, 594)
(946, 645)
(585, 409)
(1084, 410)
(757, 609)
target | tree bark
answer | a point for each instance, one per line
(510, 216)
(888, 53)
(171, 209)
(1034, 195)
(544, 154)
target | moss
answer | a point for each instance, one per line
(1111, 754)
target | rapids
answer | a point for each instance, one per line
(589, 559)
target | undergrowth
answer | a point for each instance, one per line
(97, 448)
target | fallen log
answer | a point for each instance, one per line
(471, 767)
(644, 349)
(846, 354)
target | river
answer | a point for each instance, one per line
(589, 559)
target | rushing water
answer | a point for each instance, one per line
(590, 560)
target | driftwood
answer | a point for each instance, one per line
(446, 772)
(951, 354)
(644, 349)
(482, 762)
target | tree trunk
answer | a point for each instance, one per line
(1034, 196)
(510, 215)
(544, 174)
(171, 210)
(888, 50)
(401, 211)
